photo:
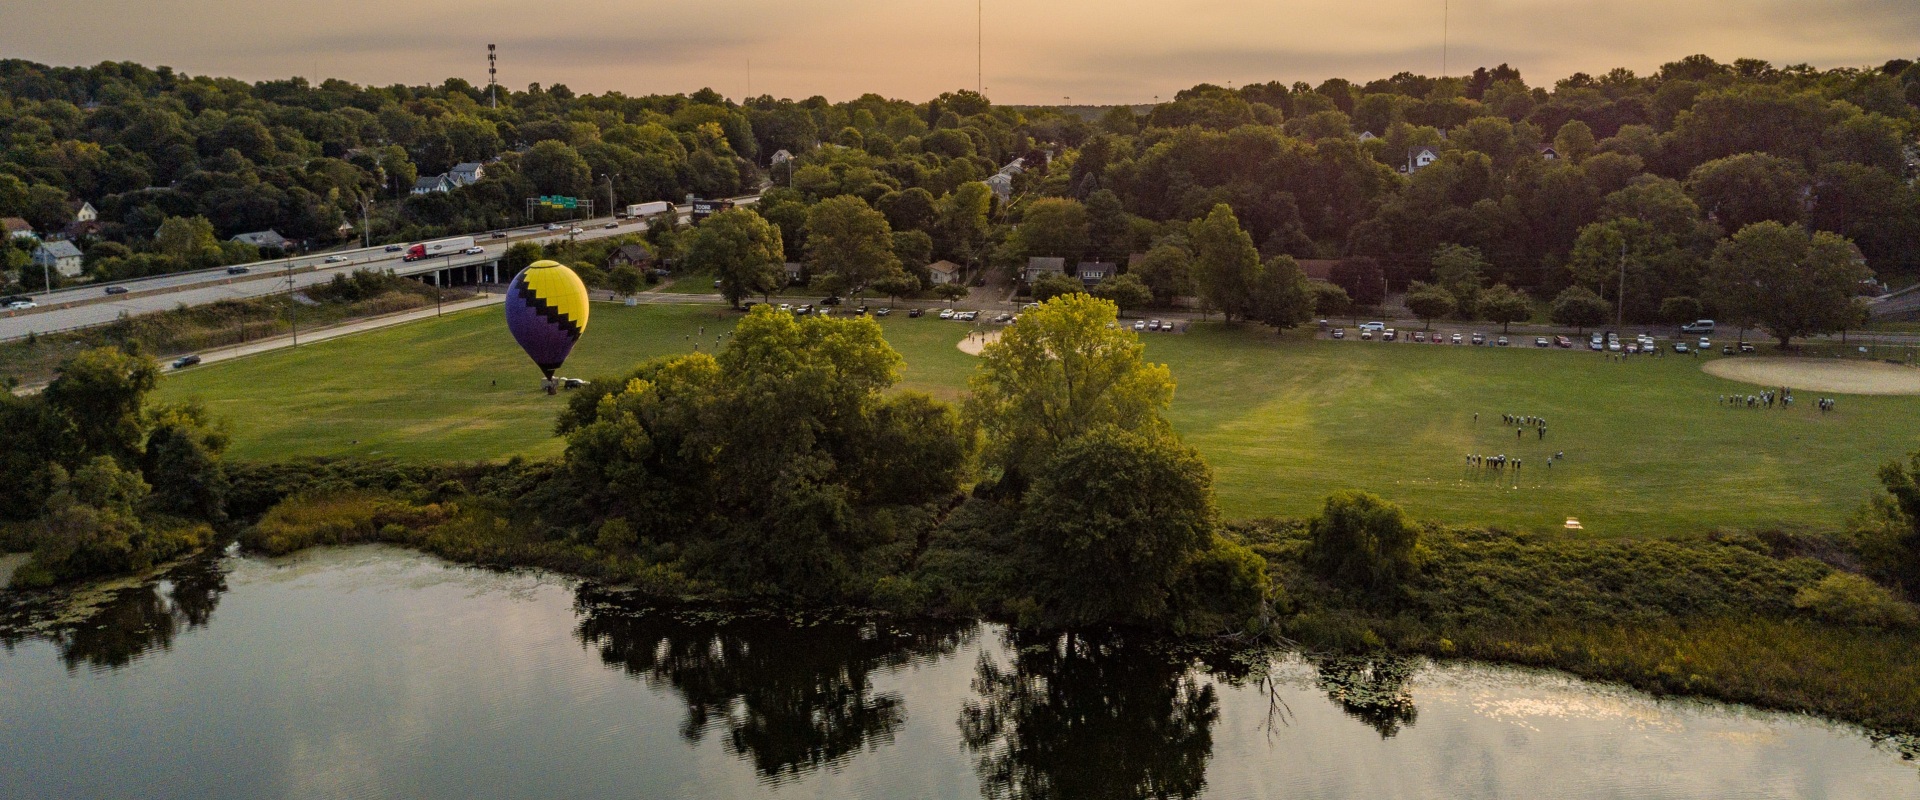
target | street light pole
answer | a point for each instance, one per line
(293, 307)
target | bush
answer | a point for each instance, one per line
(342, 518)
(1224, 589)
(1847, 599)
(1363, 542)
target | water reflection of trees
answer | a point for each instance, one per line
(120, 626)
(791, 697)
(1372, 689)
(1078, 716)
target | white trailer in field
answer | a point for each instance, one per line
(644, 210)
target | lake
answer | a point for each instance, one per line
(380, 673)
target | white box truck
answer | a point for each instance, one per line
(644, 210)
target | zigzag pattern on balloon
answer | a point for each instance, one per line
(548, 311)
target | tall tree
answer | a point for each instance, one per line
(1791, 284)
(1225, 262)
(1053, 226)
(847, 239)
(739, 248)
(1504, 305)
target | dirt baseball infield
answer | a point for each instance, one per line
(1819, 374)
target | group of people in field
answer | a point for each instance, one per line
(1781, 398)
(1522, 422)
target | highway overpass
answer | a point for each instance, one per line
(89, 306)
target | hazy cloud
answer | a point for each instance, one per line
(1097, 51)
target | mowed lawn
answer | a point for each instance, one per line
(1284, 420)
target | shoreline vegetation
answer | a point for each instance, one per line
(781, 471)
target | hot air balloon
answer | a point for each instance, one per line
(547, 312)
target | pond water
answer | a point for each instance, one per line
(376, 672)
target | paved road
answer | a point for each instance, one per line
(166, 292)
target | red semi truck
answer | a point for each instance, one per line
(437, 247)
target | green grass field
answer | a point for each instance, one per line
(1283, 420)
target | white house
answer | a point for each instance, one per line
(432, 183)
(1367, 136)
(17, 228)
(62, 256)
(1419, 157)
(85, 213)
(467, 173)
(943, 271)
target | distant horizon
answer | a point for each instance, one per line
(1069, 52)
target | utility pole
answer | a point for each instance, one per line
(366, 230)
(610, 201)
(293, 307)
(1620, 302)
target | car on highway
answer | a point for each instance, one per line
(551, 226)
(116, 290)
(576, 229)
(22, 305)
(335, 259)
(185, 361)
(611, 225)
(474, 250)
(238, 270)
(498, 235)
(394, 248)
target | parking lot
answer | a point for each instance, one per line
(1602, 341)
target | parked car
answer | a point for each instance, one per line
(1366, 333)
(335, 259)
(1139, 325)
(1680, 347)
(1153, 324)
(830, 300)
(21, 305)
(946, 313)
(915, 312)
(1502, 341)
(803, 309)
(573, 383)
(1003, 319)
(474, 250)
(1614, 345)
(860, 310)
(881, 312)
(787, 307)
(1338, 333)
(1373, 326)
(1540, 341)
(1420, 336)
(1456, 338)
(1698, 326)
(1479, 338)
(1706, 343)
(185, 361)
(1746, 347)
(1388, 335)
(824, 312)
(1563, 341)
(116, 290)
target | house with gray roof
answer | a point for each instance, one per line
(943, 271)
(266, 238)
(1043, 265)
(1092, 273)
(62, 256)
(467, 173)
(432, 183)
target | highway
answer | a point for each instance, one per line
(167, 292)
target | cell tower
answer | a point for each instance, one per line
(492, 59)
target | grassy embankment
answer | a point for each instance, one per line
(221, 324)
(1283, 420)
